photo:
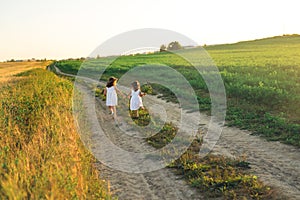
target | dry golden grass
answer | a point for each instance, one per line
(41, 154)
(9, 69)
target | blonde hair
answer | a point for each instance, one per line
(135, 85)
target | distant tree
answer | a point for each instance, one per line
(162, 48)
(174, 46)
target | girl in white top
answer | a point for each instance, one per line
(136, 99)
(111, 96)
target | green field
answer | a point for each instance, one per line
(261, 79)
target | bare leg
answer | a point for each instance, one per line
(111, 109)
(114, 111)
(115, 116)
(135, 114)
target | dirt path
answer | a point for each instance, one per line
(159, 184)
(276, 164)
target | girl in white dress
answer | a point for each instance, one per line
(136, 99)
(111, 96)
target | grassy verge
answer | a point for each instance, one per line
(41, 155)
(214, 176)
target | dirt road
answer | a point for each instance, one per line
(159, 184)
(276, 164)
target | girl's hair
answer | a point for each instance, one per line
(135, 85)
(111, 82)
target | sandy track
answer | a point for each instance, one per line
(159, 184)
(276, 164)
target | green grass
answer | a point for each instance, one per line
(41, 154)
(261, 79)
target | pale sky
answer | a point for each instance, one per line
(59, 29)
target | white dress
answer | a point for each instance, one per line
(136, 100)
(111, 96)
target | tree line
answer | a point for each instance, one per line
(172, 46)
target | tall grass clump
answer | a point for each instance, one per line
(41, 155)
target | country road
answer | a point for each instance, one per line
(276, 164)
